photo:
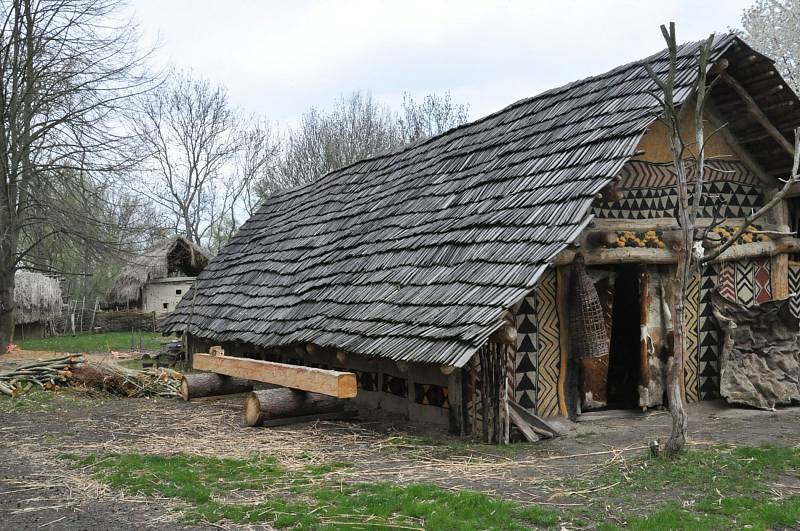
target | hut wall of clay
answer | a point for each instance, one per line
(639, 213)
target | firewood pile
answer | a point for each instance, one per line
(133, 383)
(75, 371)
(45, 374)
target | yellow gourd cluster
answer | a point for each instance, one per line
(650, 238)
(747, 237)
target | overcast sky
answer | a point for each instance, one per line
(278, 58)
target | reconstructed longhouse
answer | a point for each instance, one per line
(458, 274)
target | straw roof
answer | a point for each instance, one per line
(174, 256)
(37, 297)
(416, 254)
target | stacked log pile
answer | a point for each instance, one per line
(44, 374)
(75, 371)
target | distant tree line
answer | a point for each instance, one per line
(100, 157)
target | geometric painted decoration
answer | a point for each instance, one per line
(726, 280)
(549, 345)
(431, 395)
(395, 385)
(366, 380)
(745, 286)
(794, 288)
(708, 335)
(761, 279)
(525, 372)
(648, 191)
(692, 361)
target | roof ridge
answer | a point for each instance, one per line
(718, 41)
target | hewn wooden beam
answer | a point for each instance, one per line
(326, 382)
(741, 152)
(647, 255)
(756, 112)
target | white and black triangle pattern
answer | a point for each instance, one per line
(526, 378)
(733, 200)
(708, 335)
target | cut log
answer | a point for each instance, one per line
(332, 383)
(209, 384)
(271, 404)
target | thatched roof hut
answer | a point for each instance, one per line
(37, 297)
(171, 257)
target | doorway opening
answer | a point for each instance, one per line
(624, 357)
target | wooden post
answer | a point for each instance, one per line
(644, 310)
(779, 270)
(780, 276)
(562, 302)
(455, 398)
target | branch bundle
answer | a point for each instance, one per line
(132, 383)
(46, 374)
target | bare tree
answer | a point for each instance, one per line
(188, 132)
(690, 193)
(67, 70)
(356, 128)
(773, 28)
(434, 115)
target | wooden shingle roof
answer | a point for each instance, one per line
(416, 254)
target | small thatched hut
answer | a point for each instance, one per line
(38, 300)
(157, 279)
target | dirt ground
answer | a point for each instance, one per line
(38, 490)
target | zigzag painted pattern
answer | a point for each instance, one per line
(693, 353)
(525, 367)
(726, 282)
(642, 174)
(794, 288)
(745, 289)
(549, 345)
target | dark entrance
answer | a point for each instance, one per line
(623, 362)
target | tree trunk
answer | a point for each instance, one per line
(279, 403)
(677, 439)
(6, 307)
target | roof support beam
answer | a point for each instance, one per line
(646, 255)
(744, 155)
(757, 113)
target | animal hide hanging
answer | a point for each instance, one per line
(760, 355)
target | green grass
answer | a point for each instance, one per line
(39, 401)
(92, 342)
(303, 499)
(715, 488)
